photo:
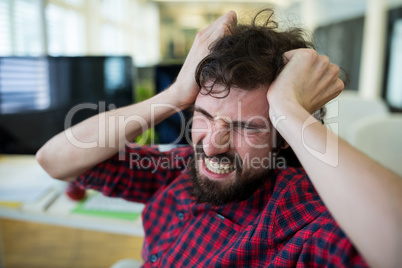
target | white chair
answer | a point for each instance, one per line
(348, 108)
(380, 137)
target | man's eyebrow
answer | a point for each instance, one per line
(200, 110)
(250, 124)
(234, 122)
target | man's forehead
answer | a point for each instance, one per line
(238, 103)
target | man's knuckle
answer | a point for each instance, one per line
(324, 61)
(335, 68)
(200, 36)
(339, 85)
(309, 54)
(200, 33)
(223, 28)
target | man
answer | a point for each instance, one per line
(234, 205)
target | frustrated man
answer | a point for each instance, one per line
(235, 197)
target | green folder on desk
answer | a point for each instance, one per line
(96, 204)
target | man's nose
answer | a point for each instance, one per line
(217, 141)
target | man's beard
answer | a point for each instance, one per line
(218, 193)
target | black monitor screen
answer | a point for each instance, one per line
(24, 85)
(171, 129)
(36, 93)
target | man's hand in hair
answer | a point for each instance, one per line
(308, 79)
(185, 86)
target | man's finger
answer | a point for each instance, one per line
(216, 30)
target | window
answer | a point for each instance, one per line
(112, 40)
(114, 30)
(65, 31)
(394, 86)
(73, 2)
(20, 28)
(79, 28)
(5, 34)
(113, 10)
(27, 28)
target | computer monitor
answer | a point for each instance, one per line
(170, 130)
(36, 93)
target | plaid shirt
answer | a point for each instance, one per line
(283, 224)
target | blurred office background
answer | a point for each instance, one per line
(56, 54)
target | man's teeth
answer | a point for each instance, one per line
(218, 168)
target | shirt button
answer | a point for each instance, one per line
(154, 258)
(220, 216)
(180, 215)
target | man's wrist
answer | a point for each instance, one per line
(288, 117)
(280, 107)
(175, 97)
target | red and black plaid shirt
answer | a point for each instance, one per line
(284, 223)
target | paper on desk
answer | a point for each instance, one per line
(97, 204)
(23, 182)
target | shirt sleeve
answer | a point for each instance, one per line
(136, 173)
(309, 234)
(330, 247)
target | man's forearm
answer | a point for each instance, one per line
(364, 197)
(64, 160)
(77, 149)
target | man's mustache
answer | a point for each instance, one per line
(220, 158)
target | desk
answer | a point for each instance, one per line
(76, 235)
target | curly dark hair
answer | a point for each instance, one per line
(251, 56)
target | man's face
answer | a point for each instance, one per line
(233, 141)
